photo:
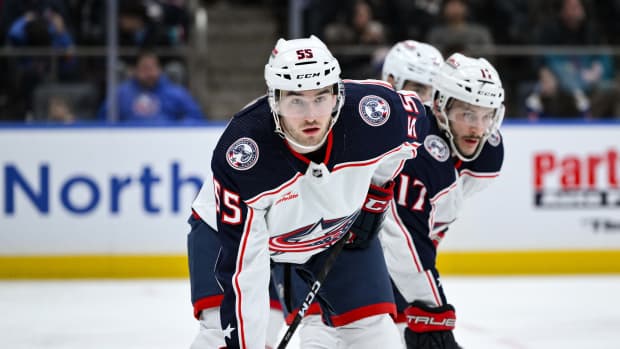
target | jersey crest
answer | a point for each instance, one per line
(437, 147)
(374, 110)
(494, 139)
(242, 154)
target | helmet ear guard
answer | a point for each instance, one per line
(473, 81)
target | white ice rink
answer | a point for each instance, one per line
(508, 312)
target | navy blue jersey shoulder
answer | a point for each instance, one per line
(248, 151)
(250, 158)
(491, 157)
(372, 122)
(436, 170)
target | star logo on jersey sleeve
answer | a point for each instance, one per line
(228, 331)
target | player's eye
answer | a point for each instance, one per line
(297, 101)
(468, 116)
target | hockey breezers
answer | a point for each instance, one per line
(314, 289)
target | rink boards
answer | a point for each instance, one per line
(96, 201)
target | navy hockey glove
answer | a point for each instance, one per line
(368, 222)
(430, 328)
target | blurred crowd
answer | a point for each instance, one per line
(50, 82)
(580, 84)
(65, 86)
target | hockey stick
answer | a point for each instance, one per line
(320, 278)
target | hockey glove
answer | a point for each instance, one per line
(430, 328)
(368, 222)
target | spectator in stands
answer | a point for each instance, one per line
(360, 28)
(508, 21)
(45, 29)
(136, 28)
(409, 19)
(356, 27)
(11, 10)
(457, 33)
(59, 110)
(151, 97)
(41, 29)
(13, 101)
(588, 74)
(548, 100)
(176, 20)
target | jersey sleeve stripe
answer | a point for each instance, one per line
(405, 234)
(479, 174)
(370, 82)
(240, 259)
(443, 192)
(433, 286)
(375, 160)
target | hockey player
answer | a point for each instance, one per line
(291, 173)
(462, 153)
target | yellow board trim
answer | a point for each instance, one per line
(529, 262)
(93, 266)
(175, 266)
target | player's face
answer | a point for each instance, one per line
(468, 124)
(423, 91)
(306, 115)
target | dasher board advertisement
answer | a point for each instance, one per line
(103, 201)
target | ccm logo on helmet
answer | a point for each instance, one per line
(308, 76)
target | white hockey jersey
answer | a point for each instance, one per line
(274, 204)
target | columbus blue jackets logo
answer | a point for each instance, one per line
(374, 110)
(243, 154)
(319, 235)
(437, 147)
(494, 139)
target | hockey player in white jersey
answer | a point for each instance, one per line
(462, 154)
(292, 173)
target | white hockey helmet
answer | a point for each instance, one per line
(411, 60)
(300, 65)
(473, 81)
